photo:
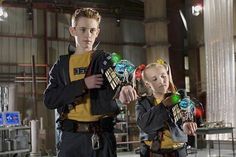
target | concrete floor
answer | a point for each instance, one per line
(200, 153)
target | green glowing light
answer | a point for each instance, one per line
(175, 98)
(115, 57)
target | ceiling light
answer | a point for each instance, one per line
(1, 11)
(196, 10)
(5, 14)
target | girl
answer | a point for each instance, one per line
(165, 136)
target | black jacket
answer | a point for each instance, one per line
(151, 119)
(61, 92)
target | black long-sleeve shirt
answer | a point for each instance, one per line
(153, 118)
(62, 92)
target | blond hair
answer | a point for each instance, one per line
(85, 12)
(172, 87)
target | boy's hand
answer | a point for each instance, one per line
(127, 94)
(94, 81)
(190, 128)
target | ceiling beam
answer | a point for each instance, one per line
(128, 9)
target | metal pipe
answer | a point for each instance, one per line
(26, 81)
(70, 40)
(22, 77)
(19, 74)
(36, 65)
(46, 42)
(23, 65)
(32, 30)
(34, 139)
(28, 77)
(56, 24)
(34, 88)
(19, 36)
(21, 81)
(129, 142)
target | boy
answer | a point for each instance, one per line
(82, 95)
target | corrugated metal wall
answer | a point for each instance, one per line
(110, 36)
(134, 40)
(156, 32)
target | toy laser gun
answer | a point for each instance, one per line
(184, 108)
(175, 97)
(122, 72)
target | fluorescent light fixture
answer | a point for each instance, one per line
(183, 19)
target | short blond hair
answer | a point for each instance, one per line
(85, 12)
(172, 87)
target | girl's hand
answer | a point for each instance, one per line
(190, 128)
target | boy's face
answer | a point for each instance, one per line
(85, 33)
(157, 79)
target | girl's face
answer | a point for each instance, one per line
(157, 79)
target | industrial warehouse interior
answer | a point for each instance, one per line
(196, 38)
